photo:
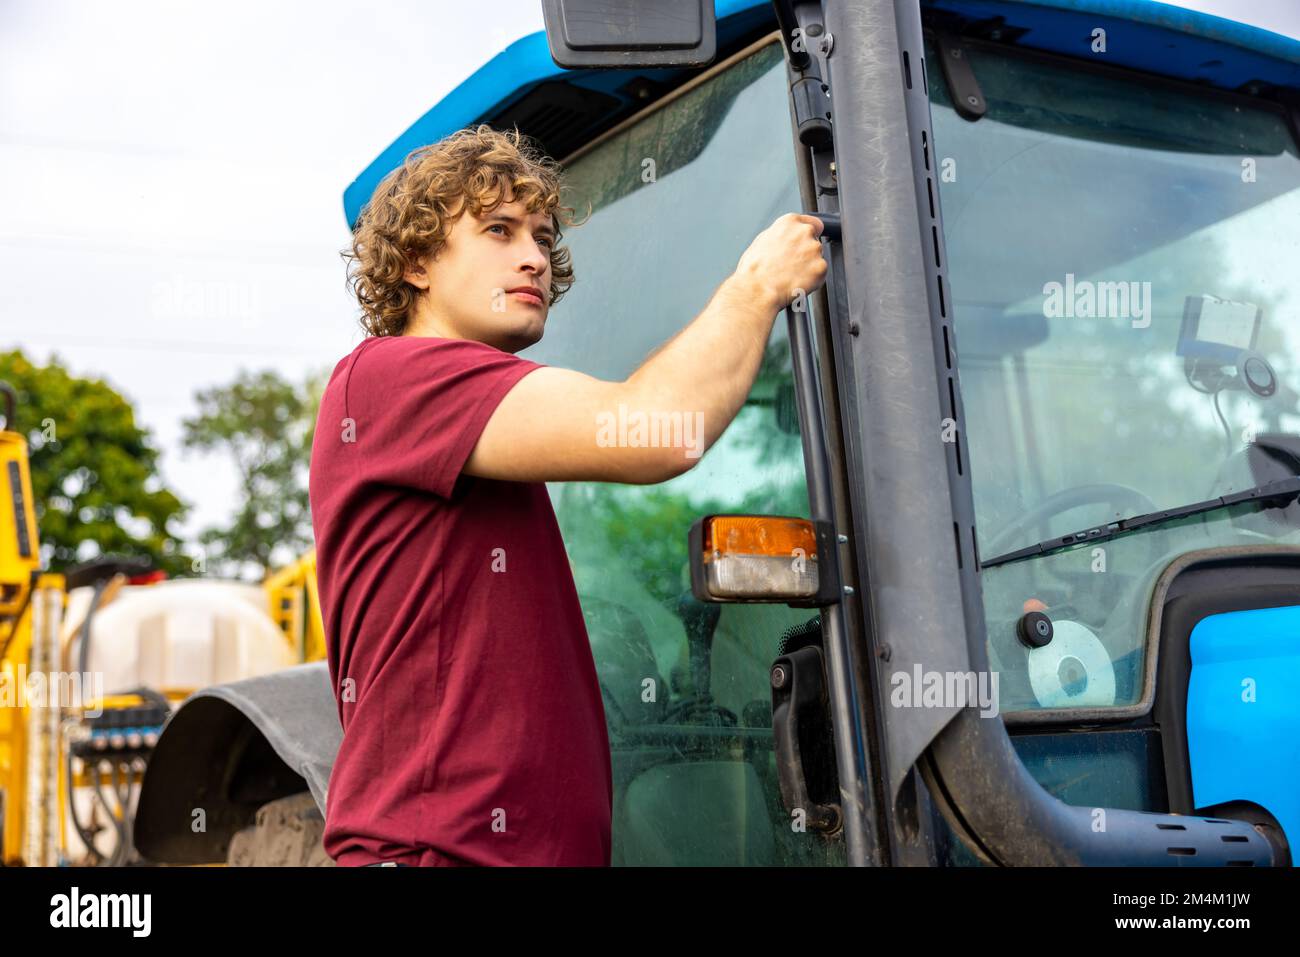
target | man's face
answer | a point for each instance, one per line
(491, 280)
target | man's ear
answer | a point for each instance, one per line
(417, 272)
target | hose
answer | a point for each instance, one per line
(124, 798)
(86, 837)
(121, 832)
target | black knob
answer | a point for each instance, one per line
(1034, 629)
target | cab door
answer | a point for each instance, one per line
(675, 196)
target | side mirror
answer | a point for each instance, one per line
(623, 34)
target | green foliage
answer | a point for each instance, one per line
(94, 471)
(648, 528)
(265, 424)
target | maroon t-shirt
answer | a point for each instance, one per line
(473, 726)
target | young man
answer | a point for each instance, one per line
(474, 731)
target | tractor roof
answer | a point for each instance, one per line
(562, 109)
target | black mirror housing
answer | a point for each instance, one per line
(624, 34)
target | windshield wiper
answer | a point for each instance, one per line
(1277, 494)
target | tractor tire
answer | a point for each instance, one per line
(285, 833)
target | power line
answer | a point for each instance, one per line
(271, 349)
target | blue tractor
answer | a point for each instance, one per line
(1041, 428)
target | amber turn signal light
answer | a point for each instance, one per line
(757, 558)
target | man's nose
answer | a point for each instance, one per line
(536, 258)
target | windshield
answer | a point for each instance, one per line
(1114, 245)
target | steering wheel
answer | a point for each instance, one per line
(1063, 501)
(1128, 501)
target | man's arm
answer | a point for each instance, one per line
(547, 428)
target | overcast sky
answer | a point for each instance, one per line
(171, 180)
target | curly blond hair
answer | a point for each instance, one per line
(414, 207)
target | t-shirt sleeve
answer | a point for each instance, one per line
(419, 406)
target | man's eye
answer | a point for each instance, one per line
(546, 242)
(497, 226)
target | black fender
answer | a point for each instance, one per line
(227, 750)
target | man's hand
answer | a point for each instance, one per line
(784, 260)
(547, 428)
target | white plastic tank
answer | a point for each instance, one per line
(179, 635)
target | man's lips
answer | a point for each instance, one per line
(526, 294)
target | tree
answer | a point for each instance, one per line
(94, 471)
(266, 424)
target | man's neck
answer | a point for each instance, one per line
(427, 327)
